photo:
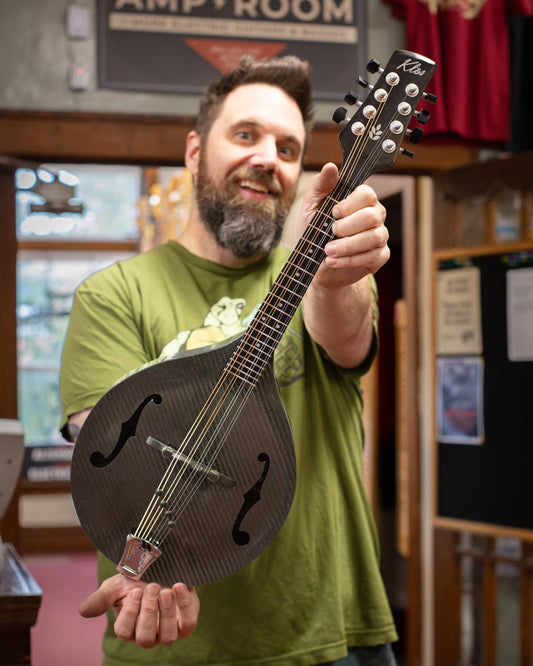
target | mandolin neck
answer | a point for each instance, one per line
(262, 336)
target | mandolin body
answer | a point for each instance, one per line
(228, 516)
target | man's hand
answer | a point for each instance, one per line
(360, 246)
(146, 613)
(338, 305)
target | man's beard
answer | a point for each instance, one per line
(246, 227)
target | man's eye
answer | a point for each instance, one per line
(244, 135)
(287, 151)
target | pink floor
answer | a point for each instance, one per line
(61, 637)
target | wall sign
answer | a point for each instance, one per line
(179, 46)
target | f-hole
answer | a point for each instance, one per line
(127, 429)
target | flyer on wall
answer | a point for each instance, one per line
(460, 418)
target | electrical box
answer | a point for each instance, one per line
(78, 22)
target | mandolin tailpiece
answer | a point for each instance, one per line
(138, 555)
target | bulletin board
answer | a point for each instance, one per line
(484, 390)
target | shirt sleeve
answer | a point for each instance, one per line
(103, 343)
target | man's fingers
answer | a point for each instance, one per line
(168, 622)
(188, 608)
(322, 184)
(127, 618)
(149, 617)
(147, 625)
(100, 601)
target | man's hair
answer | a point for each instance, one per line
(288, 73)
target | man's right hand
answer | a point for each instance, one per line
(146, 613)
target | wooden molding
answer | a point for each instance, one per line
(37, 136)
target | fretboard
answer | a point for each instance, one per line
(273, 317)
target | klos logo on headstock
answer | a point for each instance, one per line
(371, 139)
(414, 67)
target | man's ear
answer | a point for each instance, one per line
(192, 152)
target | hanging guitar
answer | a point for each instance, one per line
(185, 471)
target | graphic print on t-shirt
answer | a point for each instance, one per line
(223, 320)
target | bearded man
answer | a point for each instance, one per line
(315, 595)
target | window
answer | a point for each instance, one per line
(71, 222)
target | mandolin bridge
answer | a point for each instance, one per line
(138, 555)
(210, 473)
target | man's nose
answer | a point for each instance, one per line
(265, 155)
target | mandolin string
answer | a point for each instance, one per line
(236, 357)
(214, 435)
(238, 398)
(195, 480)
(163, 508)
(201, 477)
(156, 504)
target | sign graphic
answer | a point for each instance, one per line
(179, 46)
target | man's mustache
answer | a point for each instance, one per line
(264, 178)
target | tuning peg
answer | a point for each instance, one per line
(350, 98)
(363, 83)
(339, 115)
(429, 97)
(422, 116)
(406, 153)
(373, 67)
(414, 134)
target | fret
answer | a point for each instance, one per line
(287, 290)
(252, 379)
(308, 257)
(296, 279)
(270, 323)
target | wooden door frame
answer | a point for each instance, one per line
(406, 402)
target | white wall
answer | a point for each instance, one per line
(35, 56)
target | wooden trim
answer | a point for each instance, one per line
(447, 612)
(490, 605)
(485, 529)
(53, 539)
(79, 246)
(44, 487)
(8, 320)
(8, 327)
(513, 171)
(526, 606)
(37, 136)
(526, 217)
(480, 250)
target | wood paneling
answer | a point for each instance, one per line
(8, 329)
(160, 140)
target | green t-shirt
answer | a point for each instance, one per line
(317, 588)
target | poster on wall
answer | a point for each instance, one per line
(179, 46)
(460, 398)
(459, 311)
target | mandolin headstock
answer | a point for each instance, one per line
(371, 138)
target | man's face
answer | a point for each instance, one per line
(249, 167)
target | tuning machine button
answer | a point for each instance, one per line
(429, 97)
(373, 67)
(406, 153)
(414, 134)
(350, 98)
(339, 115)
(422, 116)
